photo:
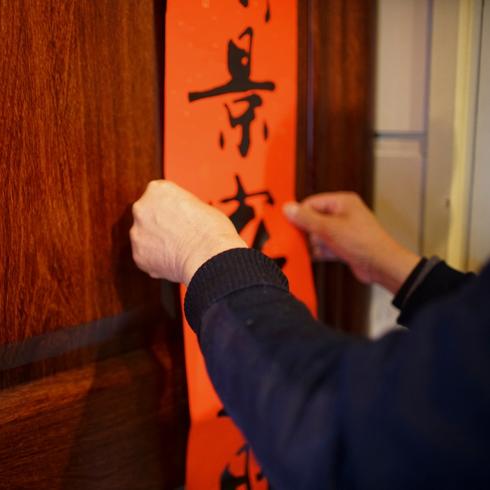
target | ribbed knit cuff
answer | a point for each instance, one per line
(414, 280)
(226, 273)
(430, 280)
(407, 287)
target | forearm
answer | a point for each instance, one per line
(322, 409)
(392, 264)
(276, 369)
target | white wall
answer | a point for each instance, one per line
(403, 58)
(479, 233)
(432, 151)
(401, 74)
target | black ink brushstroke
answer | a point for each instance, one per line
(239, 67)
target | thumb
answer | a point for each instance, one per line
(303, 216)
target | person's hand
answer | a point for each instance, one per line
(340, 225)
(174, 232)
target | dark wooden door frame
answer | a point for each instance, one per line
(335, 120)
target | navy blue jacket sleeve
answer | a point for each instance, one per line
(430, 280)
(324, 410)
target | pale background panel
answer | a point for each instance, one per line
(401, 65)
(479, 239)
(398, 188)
(441, 111)
(397, 204)
(432, 152)
(403, 58)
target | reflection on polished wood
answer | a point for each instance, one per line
(108, 425)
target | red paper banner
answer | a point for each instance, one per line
(230, 138)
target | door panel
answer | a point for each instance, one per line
(92, 379)
(91, 365)
(105, 425)
(78, 144)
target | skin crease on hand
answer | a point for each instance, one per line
(340, 225)
(174, 232)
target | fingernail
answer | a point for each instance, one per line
(290, 209)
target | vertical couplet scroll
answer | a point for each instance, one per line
(230, 138)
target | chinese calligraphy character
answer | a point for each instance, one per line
(230, 481)
(245, 213)
(267, 9)
(239, 67)
(245, 119)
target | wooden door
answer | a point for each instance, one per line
(335, 135)
(91, 365)
(93, 392)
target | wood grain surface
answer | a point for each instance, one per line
(336, 87)
(79, 140)
(92, 379)
(108, 425)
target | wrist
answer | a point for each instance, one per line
(208, 251)
(394, 265)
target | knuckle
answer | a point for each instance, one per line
(348, 200)
(154, 186)
(353, 196)
(164, 184)
(136, 256)
(137, 210)
(138, 259)
(162, 187)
